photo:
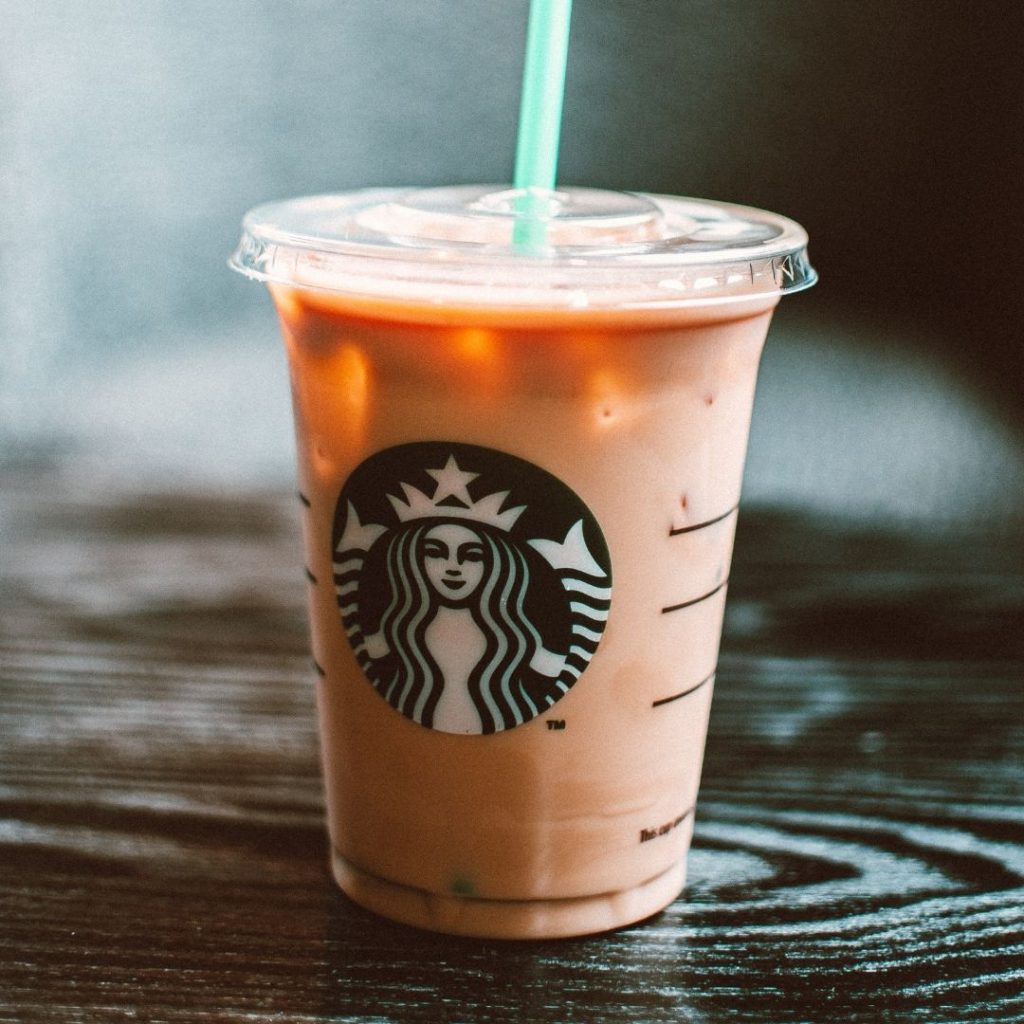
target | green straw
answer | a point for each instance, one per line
(540, 115)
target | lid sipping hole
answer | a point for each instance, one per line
(478, 215)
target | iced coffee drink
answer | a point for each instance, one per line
(520, 476)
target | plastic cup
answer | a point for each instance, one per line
(520, 477)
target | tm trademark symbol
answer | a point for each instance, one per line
(556, 723)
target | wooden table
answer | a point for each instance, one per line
(859, 851)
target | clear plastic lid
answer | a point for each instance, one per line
(461, 246)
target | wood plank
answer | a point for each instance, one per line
(859, 848)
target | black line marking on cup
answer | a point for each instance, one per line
(303, 499)
(685, 693)
(696, 600)
(309, 576)
(677, 530)
(320, 670)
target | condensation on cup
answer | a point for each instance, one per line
(519, 474)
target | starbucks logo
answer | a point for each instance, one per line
(473, 586)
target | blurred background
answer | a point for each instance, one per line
(135, 133)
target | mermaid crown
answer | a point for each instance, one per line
(451, 500)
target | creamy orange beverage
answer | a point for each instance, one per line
(520, 475)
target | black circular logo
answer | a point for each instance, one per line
(473, 586)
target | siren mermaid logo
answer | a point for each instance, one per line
(473, 586)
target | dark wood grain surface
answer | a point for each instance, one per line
(859, 849)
